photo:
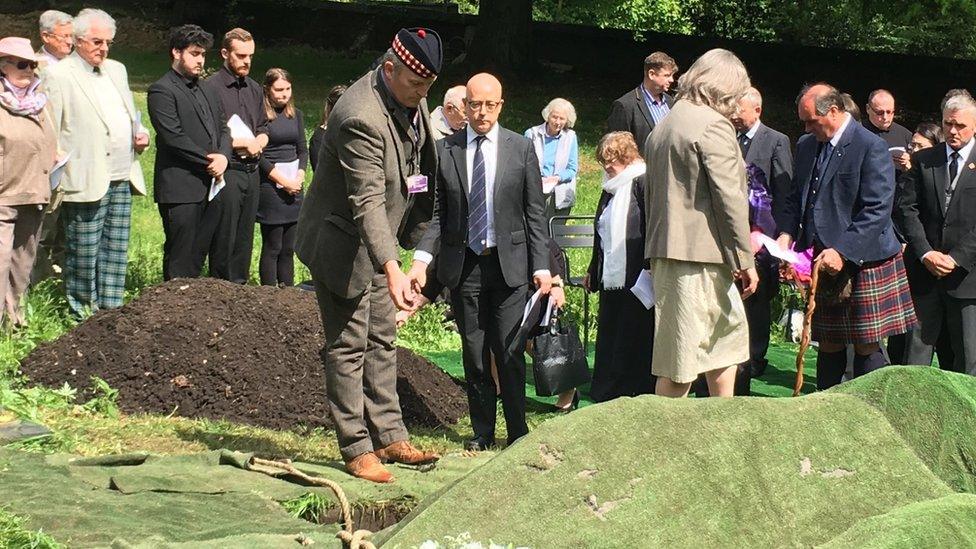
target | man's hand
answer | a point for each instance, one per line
(586, 282)
(543, 281)
(140, 141)
(749, 278)
(785, 241)
(558, 297)
(417, 275)
(832, 261)
(403, 316)
(939, 264)
(254, 147)
(399, 286)
(218, 164)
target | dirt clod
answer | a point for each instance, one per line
(213, 349)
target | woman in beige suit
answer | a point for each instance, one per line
(28, 148)
(698, 231)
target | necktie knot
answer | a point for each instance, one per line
(954, 156)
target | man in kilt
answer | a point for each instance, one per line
(841, 206)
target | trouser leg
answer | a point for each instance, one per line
(182, 257)
(472, 319)
(243, 240)
(113, 248)
(84, 222)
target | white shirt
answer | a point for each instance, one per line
(48, 56)
(751, 134)
(116, 117)
(840, 132)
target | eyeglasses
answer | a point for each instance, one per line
(61, 37)
(23, 64)
(98, 42)
(489, 106)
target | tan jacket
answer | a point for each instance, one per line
(357, 209)
(697, 207)
(27, 152)
(82, 128)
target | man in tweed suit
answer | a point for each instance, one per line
(369, 194)
(97, 123)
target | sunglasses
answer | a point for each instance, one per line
(23, 64)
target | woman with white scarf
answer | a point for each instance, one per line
(29, 147)
(625, 325)
(557, 149)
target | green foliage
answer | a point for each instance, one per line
(15, 535)
(105, 401)
(308, 506)
(27, 402)
(428, 331)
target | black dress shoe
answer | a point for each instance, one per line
(478, 444)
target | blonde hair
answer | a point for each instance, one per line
(617, 146)
(562, 105)
(717, 79)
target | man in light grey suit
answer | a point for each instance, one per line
(369, 194)
(489, 239)
(768, 150)
(98, 125)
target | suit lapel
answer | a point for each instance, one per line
(181, 85)
(501, 165)
(459, 151)
(837, 156)
(84, 84)
(123, 93)
(756, 144)
(940, 178)
(967, 176)
(642, 106)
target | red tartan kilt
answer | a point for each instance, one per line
(880, 306)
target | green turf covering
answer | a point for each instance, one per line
(945, 522)
(202, 500)
(760, 472)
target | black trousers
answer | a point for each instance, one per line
(489, 313)
(758, 308)
(182, 257)
(230, 223)
(277, 265)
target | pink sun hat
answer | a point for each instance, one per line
(14, 46)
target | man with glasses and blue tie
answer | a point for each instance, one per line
(489, 239)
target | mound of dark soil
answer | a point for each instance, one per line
(209, 348)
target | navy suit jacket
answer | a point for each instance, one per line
(852, 210)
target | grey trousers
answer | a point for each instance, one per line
(360, 368)
(937, 311)
(20, 229)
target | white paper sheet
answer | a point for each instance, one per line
(644, 289)
(216, 185)
(238, 129)
(528, 308)
(57, 172)
(287, 169)
(776, 251)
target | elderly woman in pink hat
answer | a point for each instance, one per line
(29, 147)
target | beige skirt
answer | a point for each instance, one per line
(700, 321)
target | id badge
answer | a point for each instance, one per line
(416, 184)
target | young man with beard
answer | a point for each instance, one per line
(230, 216)
(192, 148)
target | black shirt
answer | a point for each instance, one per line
(286, 143)
(241, 96)
(895, 136)
(193, 84)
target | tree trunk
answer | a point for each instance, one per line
(502, 42)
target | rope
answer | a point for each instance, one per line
(807, 322)
(351, 539)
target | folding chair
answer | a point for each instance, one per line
(569, 236)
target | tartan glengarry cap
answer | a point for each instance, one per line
(420, 50)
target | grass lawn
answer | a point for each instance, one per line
(94, 428)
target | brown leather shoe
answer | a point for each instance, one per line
(368, 467)
(402, 451)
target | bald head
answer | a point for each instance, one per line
(484, 102)
(881, 109)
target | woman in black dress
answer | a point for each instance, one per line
(625, 333)
(318, 136)
(281, 180)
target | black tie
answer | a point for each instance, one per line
(953, 172)
(97, 70)
(744, 144)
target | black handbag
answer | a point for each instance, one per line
(558, 360)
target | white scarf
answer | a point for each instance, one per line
(613, 224)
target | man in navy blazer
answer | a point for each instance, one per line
(841, 206)
(936, 201)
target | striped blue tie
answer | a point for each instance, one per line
(478, 202)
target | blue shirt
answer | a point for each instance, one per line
(658, 109)
(550, 145)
